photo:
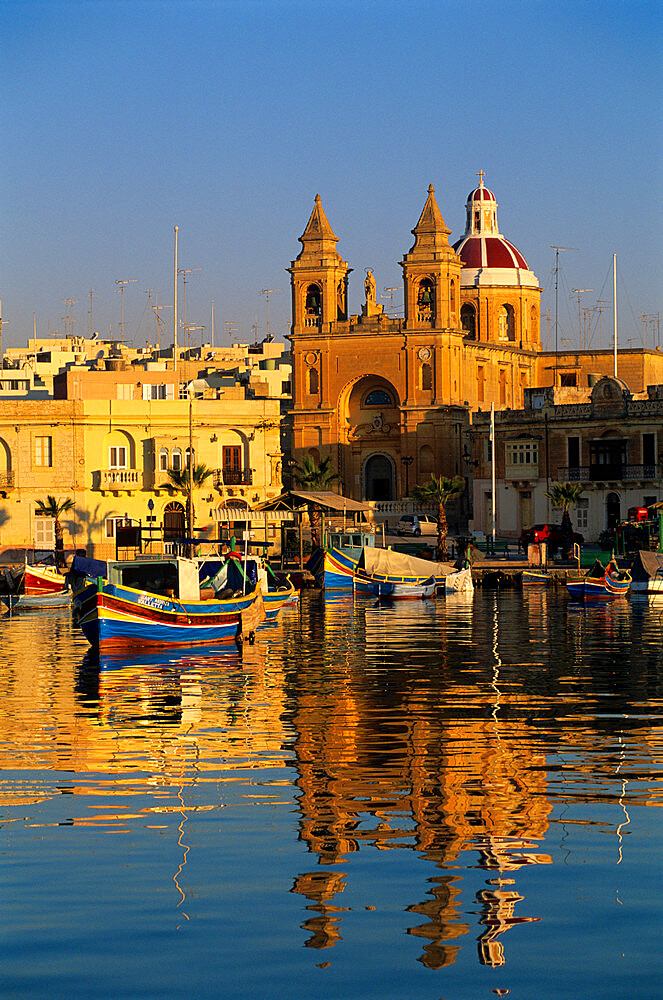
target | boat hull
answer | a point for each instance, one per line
(340, 571)
(531, 578)
(43, 580)
(274, 600)
(596, 589)
(22, 602)
(396, 589)
(115, 618)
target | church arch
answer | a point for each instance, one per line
(468, 321)
(426, 301)
(173, 521)
(5, 457)
(379, 477)
(377, 397)
(426, 459)
(506, 322)
(351, 399)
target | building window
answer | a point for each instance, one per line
(426, 377)
(378, 397)
(506, 323)
(176, 463)
(44, 451)
(522, 453)
(468, 319)
(502, 386)
(232, 458)
(163, 460)
(568, 379)
(112, 523)
(582, 513)
(154, 391)
(117, 457)
(313, 301)
(481, 383)
(44, 532)
(125, 390)
(649, 449)
(313, 381)
(573, 444)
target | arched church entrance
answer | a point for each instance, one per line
(379, 478)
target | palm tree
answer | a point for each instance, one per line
(565, 495)
(186, 480)
(440, 490)
(54, 508)
(314, 476)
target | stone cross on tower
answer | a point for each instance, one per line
(481, 176)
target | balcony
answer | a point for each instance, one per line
(524, 471)
(118, 480)
(232, 477)
(612, 472)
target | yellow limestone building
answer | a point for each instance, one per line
(388, 398)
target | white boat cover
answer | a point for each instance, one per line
(458, 583)
(647, 570)
(390, 563)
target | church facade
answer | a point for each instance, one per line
(389, 399)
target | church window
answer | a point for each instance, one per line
(468, 321)
(378, 397)
(425, 459)
(452, 297)
(313, 381)
(502, 384)
(341, 311)
(426, 301)
(426, 377)
(477, 221)
(481, 383)
(313, 301)
(506, 323)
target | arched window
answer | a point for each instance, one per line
(452, 297)
(506, 323)
(426, 301)
(313, 300)
(313, 381)
(176, 460)
(426, 377)
(378, 397)
(425, 459)
(187, 457)
(532, 323)
(468, 318)
(341, 310)
(163, 460)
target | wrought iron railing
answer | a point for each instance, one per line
(233, 477)
(601, 473)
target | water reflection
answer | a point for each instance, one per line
(466, 734)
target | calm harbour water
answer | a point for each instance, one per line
(430, 801)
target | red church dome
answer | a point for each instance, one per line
(481, 194)
(489, 251)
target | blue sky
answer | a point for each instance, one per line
(120, 120)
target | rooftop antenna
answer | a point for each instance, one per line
(230, 328)
(2, 323)
(176, 228)
(600, 307)
(391, 298)
(578, 292)
(187, 330)
(69, 319)
(158, 323)
(148, 292)
(212, 326)
(90, 315)
(267, 292)
(122, 282)
(184, 271)
(557, 250)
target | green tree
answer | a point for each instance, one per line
(439, 490)
(313, 476)
(50, 507)
(187, 481)
(565, 495)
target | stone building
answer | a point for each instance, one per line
(388, 399)
(607, 438)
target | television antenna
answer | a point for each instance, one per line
(267, 292)
(557, 250)
(69, 318)
(184, 271)
(122, 283)
(390, 297)
(578, 292)
(600, 308)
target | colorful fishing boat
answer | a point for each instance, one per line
(43, 580)
(234, 571)
(35, 602)
(37, 587)
(373, 565)
(147, 602)
(396, 588)
(600, 584)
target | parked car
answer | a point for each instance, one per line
(551, 534)
(417, 524)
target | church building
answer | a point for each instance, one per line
(388, 399)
